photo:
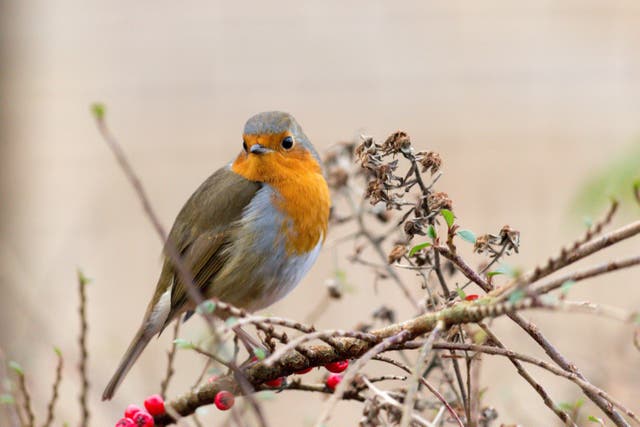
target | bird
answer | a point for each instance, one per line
(249, 232)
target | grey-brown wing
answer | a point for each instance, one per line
(202, 230)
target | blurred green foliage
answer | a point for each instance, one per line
(615, 180)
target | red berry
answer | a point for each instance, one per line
(304, 371)
(277, 383)
(125, 422)
(333, 380)
(471, 297)
(131, 411)
(143, 419)
(154, 404)
(337, 367)
(224, 400)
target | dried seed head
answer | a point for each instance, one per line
(439, 200)
(396, 253)
(413, 227)
(430, 161)
(398, 141)
(334, 288)
(510, 238)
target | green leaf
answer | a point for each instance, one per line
(566, 286)
(448, 216)
(7, 399)
(259, 353)
(15, 366)
(461, 293)
(182, 343)
(467, 235)
(98, 110)
(207, 306)
(84, 280)
(418, 248)
(516, 295)
(565, 406)
(595, 420)
(231, 321)
(431, 232)
(57, 351)
(505, 269)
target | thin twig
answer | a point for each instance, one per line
(351, 372)
(410, 398)
(390, 400)
(171, 354)
(22, 385)
(54, 394)
(424, 382)
(536, 385)
(572, 376)
(84, 353)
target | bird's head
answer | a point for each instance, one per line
(274, 148)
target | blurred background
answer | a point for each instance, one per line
(527, 102)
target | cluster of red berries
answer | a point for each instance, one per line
(331, 382)
(135, 416)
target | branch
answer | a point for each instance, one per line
(84, 353)
(306, 356)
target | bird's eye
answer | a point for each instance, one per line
(287, 142)
(244, 145)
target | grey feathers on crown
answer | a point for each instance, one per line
(277, 122)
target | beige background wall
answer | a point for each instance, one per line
(523, 99)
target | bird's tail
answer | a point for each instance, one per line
(140, 341)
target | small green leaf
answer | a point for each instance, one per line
(566, 286)
(418, 248)
(516, 295)
(57, 351)
(207, 306)
(565, 406)
(595, 420)
(431, 232)
(7, 399)
(259, 353)
(98, 110)
(15, 366)
(505, 269)
(448, 216)
(84, 280)
(182, 343)
(461, 293)
(231, 321)
(467, 235)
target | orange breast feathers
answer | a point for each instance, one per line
(303, 194)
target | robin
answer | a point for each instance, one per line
(248, 234)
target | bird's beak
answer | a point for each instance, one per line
(258, 149)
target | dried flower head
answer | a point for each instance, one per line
(439, 200)
(397, 141)
(396, 254)
(430, 161)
